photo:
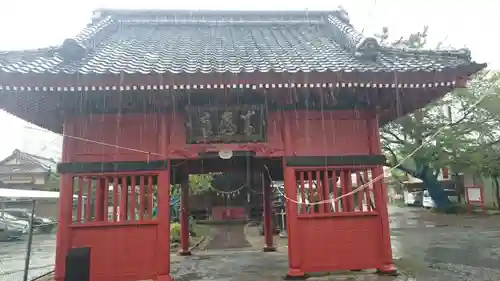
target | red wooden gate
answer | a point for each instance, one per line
(112, 214)
(336, 225)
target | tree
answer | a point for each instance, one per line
(200, 183)
(485, 155)
(446, 133)
(52, 182)
(197, 183)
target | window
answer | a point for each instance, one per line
(450, 192)
(19, 214)
(8, 216)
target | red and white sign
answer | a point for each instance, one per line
(474, 195)
(446, 174)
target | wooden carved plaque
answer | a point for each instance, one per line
(225, 125)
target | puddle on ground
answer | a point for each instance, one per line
(188, 276)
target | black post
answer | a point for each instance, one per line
(249, 178)
(30, 241)
(78, 264)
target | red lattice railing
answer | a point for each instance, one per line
(335, 190)
(113, 198)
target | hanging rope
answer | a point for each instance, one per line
(380, 177)
(363, 186)
(229, 194)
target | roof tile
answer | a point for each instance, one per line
(235, 42)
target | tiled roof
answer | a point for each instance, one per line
(224, 42)
(47, 163)
(33, 162)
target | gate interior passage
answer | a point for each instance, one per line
(332, 204)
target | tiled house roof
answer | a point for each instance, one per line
(30, 162)
(47, 163)
(144, 42)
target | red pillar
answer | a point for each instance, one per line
(268, 215)
(163, 217)
(294, 270)
(184, 218)
(64, 221)
(387, 267)
(65, 212)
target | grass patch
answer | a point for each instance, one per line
(220, 222)
(399, 203)
(201, 232)
(455, 208)
(201, 229)
(461, 209)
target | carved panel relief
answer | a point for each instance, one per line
(231, 124)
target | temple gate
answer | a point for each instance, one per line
(145, 98)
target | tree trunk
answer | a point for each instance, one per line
(497, 191)
(431, 183)
(459, 187)
(436, 192)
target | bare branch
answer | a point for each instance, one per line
(394, 157)
(395, 138)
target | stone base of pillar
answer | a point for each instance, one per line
(268, 249)
(295, 274)
(184, 253)
(283, 234)
(388, 269)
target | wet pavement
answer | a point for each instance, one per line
(13, 255)
(426, 247)
(227, 237)
(446, 247)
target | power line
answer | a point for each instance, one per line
(366, 185)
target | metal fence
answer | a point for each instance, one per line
(280, 221)
(27, 245)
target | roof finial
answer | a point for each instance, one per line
(367, 48)
(96, 15)
(72, 50)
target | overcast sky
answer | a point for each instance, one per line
(26, 24)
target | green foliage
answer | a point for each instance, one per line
(458, 131)
(448, 132)
(175, 232)
(413, 41)
(52, 182)
(200, 183)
